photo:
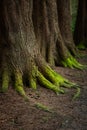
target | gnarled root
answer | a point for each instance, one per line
(45, 75)
(5, 80)
(18, 84)
(71, 62)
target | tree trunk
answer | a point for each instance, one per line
(53, 33)
(21, 60)
(80, 34)
(65, 24)
(43, 20)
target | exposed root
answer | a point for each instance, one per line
(32, 78)
(46, 77)
(19, 84)
(56, 78)
(43, 107)
(77, 94)
(5, 80)
(48, 84)
(73, 63)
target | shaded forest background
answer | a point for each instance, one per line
(74, 8)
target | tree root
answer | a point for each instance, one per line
(32, 78)
(77, 94)
(19, 84)
(5, 80)
(48, 84)
(47, 78)
(43, 107)
(73, 63)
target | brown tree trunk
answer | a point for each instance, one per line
(45, 19)
(80, 34)
(21, 59)
(18, 34)
(52, 30)
(65, 24)
(44, 28)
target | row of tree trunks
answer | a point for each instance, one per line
(27, 43)
(52, 22)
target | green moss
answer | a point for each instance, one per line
(48, 84)
(57, 79)
(71, 62)
(33, 83)
(52, 76)
(19, 85)
(5, 81)
(61, 80)
(77, 94)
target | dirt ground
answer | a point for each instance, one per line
(64, 114)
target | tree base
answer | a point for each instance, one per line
(49, 79)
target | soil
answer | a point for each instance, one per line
(63, 114)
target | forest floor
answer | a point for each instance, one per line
(63, 113)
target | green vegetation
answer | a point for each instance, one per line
(71, 62)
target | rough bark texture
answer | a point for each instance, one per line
(65, 24)
(19, 34)
(45, 19)
(52, 21)
(18, 42)
(21, 60)
(80, 34)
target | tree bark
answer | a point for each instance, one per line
(65, 24)
(45, 19)
(53, 33)
(21, 60)
(80, 33)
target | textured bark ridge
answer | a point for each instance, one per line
(21, 60)
(52, 21)
(65, 25)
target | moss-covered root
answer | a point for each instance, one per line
(58, 79)
(43, 107)
(77, 94)
(5, 80)
(42, 80)
(19, 85)
(32, 78)
(71, 62)
(55, 78)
